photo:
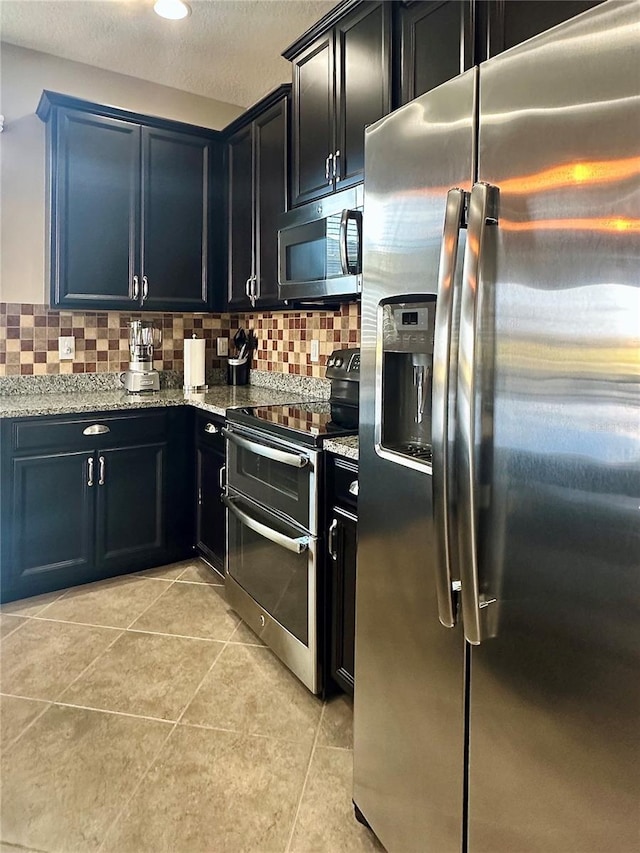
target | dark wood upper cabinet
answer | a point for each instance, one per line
(257, 194)
(341, 84)
(175, 220)
(434, 43)
(510, 22)
(135, 209)
(435, 40)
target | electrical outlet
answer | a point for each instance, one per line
(315, 350)
(222, 347)
(66, 348)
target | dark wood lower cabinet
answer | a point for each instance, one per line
(77, 506)
(211, 534)
(130, 509)
(52, 521)
(340, 589)
(343, 593)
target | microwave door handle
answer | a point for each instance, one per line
(297, 545)
(482, 214)
(354, 216)
(295, 460)
(453, 222)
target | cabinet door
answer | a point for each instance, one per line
(175, 220)
(363, 84)
(131, 508)
(51, 526)
(511, 23)
(95, 187)
(313, 120)
(240, 221)
(211, 533)
(271, 184)
(344, 535)
(436, 44)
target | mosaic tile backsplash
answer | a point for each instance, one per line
(29, 338)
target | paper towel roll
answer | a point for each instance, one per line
(194, 349)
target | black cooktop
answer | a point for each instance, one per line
(305, 422)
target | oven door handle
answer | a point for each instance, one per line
(292, 459)
(296, 545)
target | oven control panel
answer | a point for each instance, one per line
(344, 364)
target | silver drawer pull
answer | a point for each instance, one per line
(297, 545)
(212, 429)
(353, 488)
(96, 429)
(295, 460)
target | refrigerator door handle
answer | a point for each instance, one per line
(482, 212)
(453, 222)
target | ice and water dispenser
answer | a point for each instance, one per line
(405, 376)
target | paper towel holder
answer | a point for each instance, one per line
(194, 389)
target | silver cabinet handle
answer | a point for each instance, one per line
(96, 429)
(353, 488)
(443, 373)
(292, 459)
(482, 212)
(336, 160)
(254, 290)
(345, 218)
(90, 471)
(328, 176)
(296, 545)
(247, 287)
(212, 429)
(145, 287)
(221, 473)
(101, 471)
(136, 287)
(331, 544)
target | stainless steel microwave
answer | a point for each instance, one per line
(320, 248)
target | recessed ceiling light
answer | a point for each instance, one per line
(172, 9)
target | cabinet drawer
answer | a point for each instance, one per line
(209, 431)
(94, 430)
(343, 482)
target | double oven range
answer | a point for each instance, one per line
(274, 515)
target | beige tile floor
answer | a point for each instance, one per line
(139, 714)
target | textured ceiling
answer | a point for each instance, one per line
(226, 49)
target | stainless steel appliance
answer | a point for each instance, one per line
(320, 248)
(274, 466)
(141, 375)
(496, 662)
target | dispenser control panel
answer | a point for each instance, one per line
(409, 328)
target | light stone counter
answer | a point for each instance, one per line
(346, 446)
(216, 400)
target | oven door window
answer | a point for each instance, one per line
(283, 487)
(261, 560)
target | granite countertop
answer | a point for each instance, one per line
(346, 446)
(216, 400)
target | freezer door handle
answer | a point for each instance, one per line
(453, 222)
(483, 208)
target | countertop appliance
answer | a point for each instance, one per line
(144, 335)
(273, 473)
(320, 248)
(496, 677)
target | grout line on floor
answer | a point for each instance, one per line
(180, 636)
(120, 632)
(143, 776)
(306, 777)
(113, 712)
(155, 600)
(47, 704)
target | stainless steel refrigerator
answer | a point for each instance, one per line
(497, 624)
